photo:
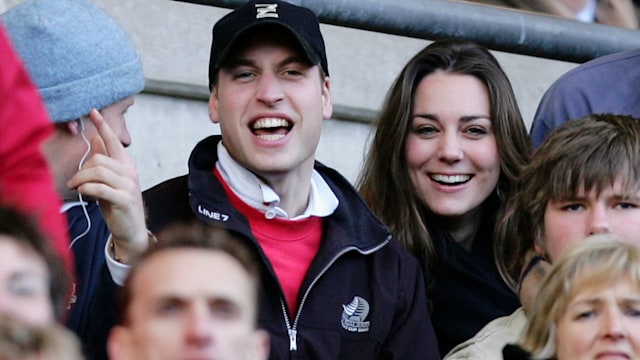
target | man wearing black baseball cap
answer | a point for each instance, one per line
(335, 284)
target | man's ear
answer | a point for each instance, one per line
(119, 343)
(74, 127)
(327, 105)
(213, 106)
(539, 249)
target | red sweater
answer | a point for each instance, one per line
(25, 179)
(290, 245)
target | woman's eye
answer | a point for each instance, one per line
(476, 131)
(633, 312)
(585, 315)
(426, 130)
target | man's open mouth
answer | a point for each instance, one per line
(271, 129)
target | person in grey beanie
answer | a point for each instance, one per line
(87, 71)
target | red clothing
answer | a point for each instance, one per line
(25, 179)
(290, 245)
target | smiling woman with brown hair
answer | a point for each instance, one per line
(449, 144)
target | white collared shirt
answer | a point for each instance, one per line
(257, 194)
(69, 204)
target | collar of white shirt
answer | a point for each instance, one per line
(257, 194)
(69, 204)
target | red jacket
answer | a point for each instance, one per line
(25, 179)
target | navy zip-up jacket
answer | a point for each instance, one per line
(363, 296)
(88, 251)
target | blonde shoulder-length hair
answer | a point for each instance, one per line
(598, 261)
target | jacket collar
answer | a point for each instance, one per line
(351, 225)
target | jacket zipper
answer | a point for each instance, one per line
(292, 330)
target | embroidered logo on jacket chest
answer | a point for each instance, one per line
(354, 315)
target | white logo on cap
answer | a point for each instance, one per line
(266, 10)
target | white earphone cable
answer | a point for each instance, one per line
(82, 202)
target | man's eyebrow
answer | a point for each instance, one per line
(171, 299)
(295, 59)
(246, 61)
(626, 196)
(570, 197)
(221, 300)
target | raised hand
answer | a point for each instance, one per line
(110, 175)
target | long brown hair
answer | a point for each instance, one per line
(385, 183)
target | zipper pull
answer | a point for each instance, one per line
(293, 346)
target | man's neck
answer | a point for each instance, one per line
(293, 189)
(530, 284)
(294, 193)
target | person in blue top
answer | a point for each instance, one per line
(608, 84)
(86, 71)
(449, 144)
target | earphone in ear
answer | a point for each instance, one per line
(86, 141)
(81, 124)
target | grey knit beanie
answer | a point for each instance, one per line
(76, 54)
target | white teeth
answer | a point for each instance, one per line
(450, 179)
(266, 123)
(271, 137)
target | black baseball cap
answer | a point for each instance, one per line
(300, 21)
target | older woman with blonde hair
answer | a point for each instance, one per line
(588, 305)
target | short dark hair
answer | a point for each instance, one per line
(192, 235)
(23, 230)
